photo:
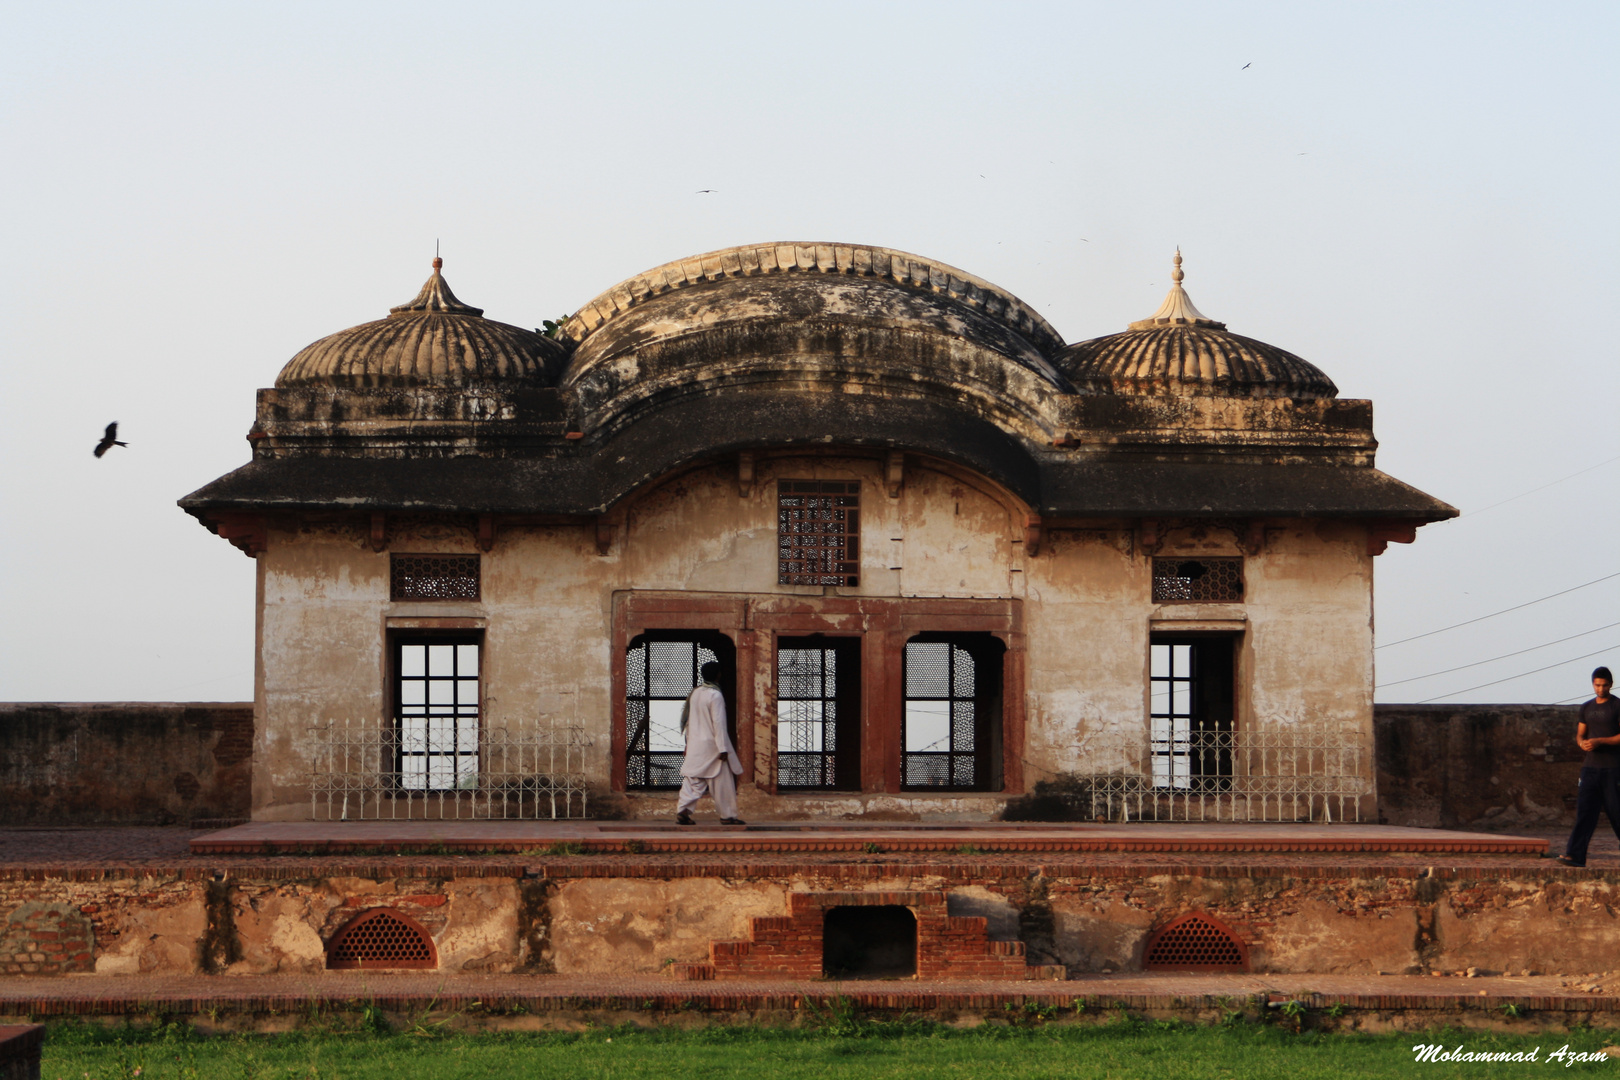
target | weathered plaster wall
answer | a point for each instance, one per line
(1389, 919)
(546, 608)
(1478, 766)
(132, 763)
(162, 923)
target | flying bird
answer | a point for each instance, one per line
(109, 440)
(705, 191)
(1245, 67)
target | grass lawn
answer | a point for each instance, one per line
(840, 1048)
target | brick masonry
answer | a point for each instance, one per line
(129, 763)
(46, 939)
(790, 946)
(597, 916)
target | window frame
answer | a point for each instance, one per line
(1210, 713)
(398, 641)
(844, 760)
(987, 653)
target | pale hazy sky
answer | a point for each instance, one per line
(1419, 198)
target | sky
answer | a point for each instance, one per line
(1418, 198)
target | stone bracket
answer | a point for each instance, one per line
(894, 473)
(1148, 536)
(1380, 534)
(247, 532)
(379, 531)
(745, 474)
(1034, 533)
(486, 532)
(604, 535)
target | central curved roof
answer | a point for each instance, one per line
(817, 257)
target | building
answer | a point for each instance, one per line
(940, 553)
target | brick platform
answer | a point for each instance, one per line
(790, 946)
(306, 837)
(541, 1002)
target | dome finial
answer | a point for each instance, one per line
(1177, 309)
(436, 296)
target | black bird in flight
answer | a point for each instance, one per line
(109, 440)
(705, 191)
(1245, 67)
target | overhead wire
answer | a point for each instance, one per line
(1522, 674)
(1543, 487)
(1504, 611)
(1504, 656)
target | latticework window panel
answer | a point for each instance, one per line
(658, 675)
(818, 532)
(941, 718)
(382, 938)
(1195, 942)
(1197, 581)
(433, 577)
(807, 718)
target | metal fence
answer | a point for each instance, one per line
(1295, 773)
(371, 770)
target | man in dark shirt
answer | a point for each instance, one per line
(1599, 735)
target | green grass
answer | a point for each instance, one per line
(837, 1046)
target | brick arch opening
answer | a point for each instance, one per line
(1195, 942)
(877, 941)
(381, 938)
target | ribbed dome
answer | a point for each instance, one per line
(435, 340)
(1178, 350)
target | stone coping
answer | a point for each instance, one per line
(1493, 997)
(947, 872)
(309, 837)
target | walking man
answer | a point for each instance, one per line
(1599, 735)
(710, 766)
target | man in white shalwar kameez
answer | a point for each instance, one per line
(710, 766)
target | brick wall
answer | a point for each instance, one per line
(1477, 766)
(45, 939)
(129, 763)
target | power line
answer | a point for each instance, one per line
(1521, 674)
(1504, 656)
(1543, 487)
(1494, 614)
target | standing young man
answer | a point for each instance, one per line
(710, 765)
(1599, 735)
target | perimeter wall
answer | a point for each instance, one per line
(155, 763)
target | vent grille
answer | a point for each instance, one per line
(1195, 942)
(818, 532)
(1197, 581)
(382, 938)
(433, 577)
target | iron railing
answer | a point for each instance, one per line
(1294, 773)
(371, 770)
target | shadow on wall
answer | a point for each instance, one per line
(125, 763)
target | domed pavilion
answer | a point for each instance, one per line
(939, 553)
